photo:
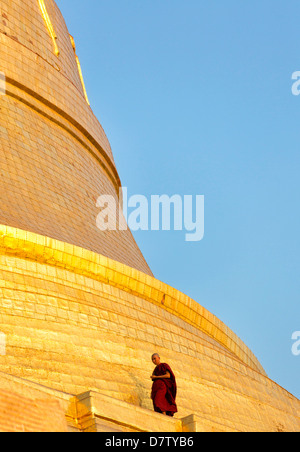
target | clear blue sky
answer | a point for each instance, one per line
(195, 98)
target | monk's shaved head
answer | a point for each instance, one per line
(156, 359)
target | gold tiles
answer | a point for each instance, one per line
(76, 321)
(83, 262)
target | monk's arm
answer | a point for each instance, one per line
(155, 377)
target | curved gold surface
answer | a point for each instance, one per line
(77, 321)
(47, 251)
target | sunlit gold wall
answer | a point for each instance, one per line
(77, 321)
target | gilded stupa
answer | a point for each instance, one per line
(80, 310)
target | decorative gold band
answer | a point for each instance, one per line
(49, 25)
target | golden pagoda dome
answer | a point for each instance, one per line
(80, 310)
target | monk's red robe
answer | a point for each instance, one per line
(164, 391)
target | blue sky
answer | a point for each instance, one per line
(195, 98)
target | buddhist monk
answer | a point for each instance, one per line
(164, 388)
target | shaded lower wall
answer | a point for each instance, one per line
(25, 408)
(78, 324)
